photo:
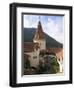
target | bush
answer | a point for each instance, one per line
(54, 68)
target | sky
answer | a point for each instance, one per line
(51, 24)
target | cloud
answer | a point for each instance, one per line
(52, 25)
(55, 29)
(30, 20)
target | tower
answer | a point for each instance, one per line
(39, 37)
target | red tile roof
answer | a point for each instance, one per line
(51, 50)
(30, 46)
(55, 50)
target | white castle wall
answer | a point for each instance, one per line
(34, 58)
(42, 44)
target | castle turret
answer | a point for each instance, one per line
(40, 37)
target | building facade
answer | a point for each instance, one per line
(33, 49)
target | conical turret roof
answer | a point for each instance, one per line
(39, 32)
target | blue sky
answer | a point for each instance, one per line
(52, 25)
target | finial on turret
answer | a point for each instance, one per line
(39, 17)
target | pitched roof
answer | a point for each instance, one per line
(39, 32)
(51, 50)
(55, 50)
(30, 46)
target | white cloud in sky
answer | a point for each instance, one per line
(55, 29)
(52, 25)
(30, 21)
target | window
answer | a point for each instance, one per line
(35, 57)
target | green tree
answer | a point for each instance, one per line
(54, 66)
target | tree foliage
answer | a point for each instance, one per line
(54, 68)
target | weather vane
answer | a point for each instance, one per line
(39, 18)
